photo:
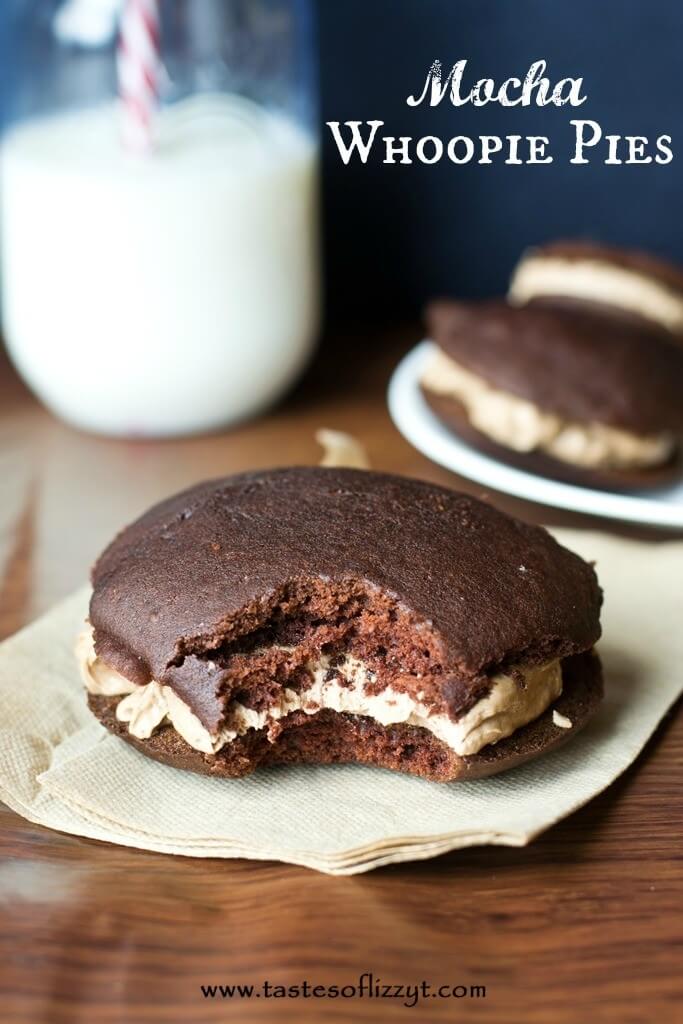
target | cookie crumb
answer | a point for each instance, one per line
(561, 720)
(341, 449)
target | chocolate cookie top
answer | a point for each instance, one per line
(572, 360)
(495, 589)
(633, 260)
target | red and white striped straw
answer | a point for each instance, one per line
(138, 72)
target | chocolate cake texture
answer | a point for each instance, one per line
(326, 615)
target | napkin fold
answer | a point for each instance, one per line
(61, 769)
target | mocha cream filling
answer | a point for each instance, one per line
(522, 426)
(507, 706)
(597, 281)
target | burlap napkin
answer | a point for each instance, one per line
(60, 768)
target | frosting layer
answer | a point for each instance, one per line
(598, 281)
(343, 687)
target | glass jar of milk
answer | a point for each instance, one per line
(168, 287)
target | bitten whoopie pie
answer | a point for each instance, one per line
(316, 615)
(563, 390)
(626, 279)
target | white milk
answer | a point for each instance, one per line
(160, 295)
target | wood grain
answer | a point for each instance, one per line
(585, 924)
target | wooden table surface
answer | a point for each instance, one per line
(585, 924)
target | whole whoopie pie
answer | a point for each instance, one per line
(315, 615)
(626, 279)
(565, 390)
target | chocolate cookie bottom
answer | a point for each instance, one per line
(452, 413)
(329, 737)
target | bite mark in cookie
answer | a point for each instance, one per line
(343, 684)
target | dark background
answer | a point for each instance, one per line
(397, 234)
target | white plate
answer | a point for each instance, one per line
(424, 431)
